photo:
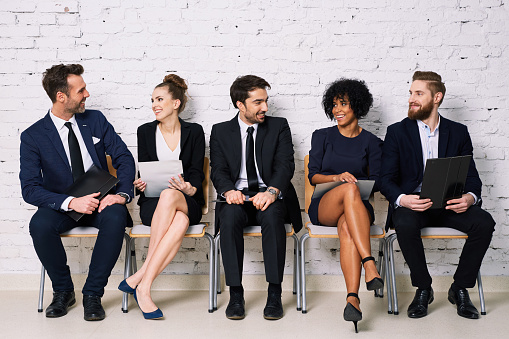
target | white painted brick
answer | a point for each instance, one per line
(18, 6)
(67, 6)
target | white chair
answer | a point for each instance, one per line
(426, 233)
(317, 231)
(193, 231)
(256, 231)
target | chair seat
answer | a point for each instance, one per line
(318, 231)
(142, 231)
(438, 232)
(82, 231)
(256, 231)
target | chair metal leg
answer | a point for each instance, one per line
(296, 271)
(132, 248)
(127, 266)
(41, 288)
(393, 274)
(388, 276)
(380, 265)
(211, 271)
(481, 293)
(303, 240)
(217, 277)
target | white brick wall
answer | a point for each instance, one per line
(299, 46)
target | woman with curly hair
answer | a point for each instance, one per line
(346, 153)
(167, 138)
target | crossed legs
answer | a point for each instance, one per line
(169, 225)
(343, 206)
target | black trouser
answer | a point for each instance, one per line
(477, 223)
(45, 228)
(233, 219)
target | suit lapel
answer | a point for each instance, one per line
(260, 137)
(87, 138)
(53, 135)
(184, 133)
(415, 141)
(443, 138)
(236, 145)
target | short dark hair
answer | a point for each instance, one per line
(358, 94)
(434, 81)
(55, 79)
(244, 84)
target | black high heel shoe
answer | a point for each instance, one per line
(351, 313)
(375, 283)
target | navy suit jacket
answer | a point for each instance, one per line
(274, 156)
(402, 164)
(45, 172)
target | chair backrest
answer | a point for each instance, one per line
(112, 170)
(206, 185)
(308, 188)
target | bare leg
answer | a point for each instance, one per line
(170, 201)
(345, 200)
(162, 256)
(350, 261)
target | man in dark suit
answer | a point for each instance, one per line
(54, 152)
(408, 144)
(252, 165)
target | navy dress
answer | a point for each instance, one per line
(332, 153)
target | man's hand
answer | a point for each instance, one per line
(234, 197)
(86, 204)
(111, 199)
(460, 205)
(413, 202)
(263, 200)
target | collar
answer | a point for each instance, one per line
(244, 126)
(59, 123)
(426, 127)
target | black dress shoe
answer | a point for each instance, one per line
(462, 301)
(419, 306)
(235, 309)
(93, 308)
(274, 308)
(60, 303)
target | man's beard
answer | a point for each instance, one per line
(422, 113)
(75, 109)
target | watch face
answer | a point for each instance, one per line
(272, 191)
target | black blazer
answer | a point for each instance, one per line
(192, 152)
(402, 165)
(274, 156)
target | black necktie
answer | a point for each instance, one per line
(252, 178)
(75, 152)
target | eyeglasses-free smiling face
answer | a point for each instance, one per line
(163, 104)
(254, 109)
(420, 102)
(75, 101)
(342, 111)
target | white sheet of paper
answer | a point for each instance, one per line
(157, 173)
(365, 186)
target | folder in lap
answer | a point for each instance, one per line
(365, 188)
(157, 175)
(444, 179)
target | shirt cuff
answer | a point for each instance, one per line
(398, 200)
(65, 205)
(475, 197)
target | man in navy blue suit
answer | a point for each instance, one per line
(426, 134)
(54, 152)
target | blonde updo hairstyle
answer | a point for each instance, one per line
(177, 87)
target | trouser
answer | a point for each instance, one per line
(475, 222)
(46, 226)
(233, 219)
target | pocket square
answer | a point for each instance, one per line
(95, 140)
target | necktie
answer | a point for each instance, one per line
(252, 177)
(75, 152)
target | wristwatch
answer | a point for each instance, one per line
(272, 191)
(125, 196)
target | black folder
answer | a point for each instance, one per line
(94, 180)
(444, 179)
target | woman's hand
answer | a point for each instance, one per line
(345, 177)
(181, 185)
(140, 185)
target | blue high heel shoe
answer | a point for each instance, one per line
(124, 287)
(157, 314)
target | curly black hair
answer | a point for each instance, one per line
(358, 94)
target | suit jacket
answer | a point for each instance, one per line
(192, 152)
(274, 157)
(45, 172)
(402, 163)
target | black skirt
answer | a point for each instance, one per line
(148, 207)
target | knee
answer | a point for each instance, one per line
(168, 196)
(230, 216)
(41, 224)
(483, 224)
(115, 218)
(351, 191)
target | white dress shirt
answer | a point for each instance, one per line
(242, 182)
